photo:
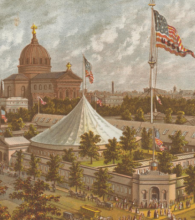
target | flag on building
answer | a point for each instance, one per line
(42, 102)
(3, 116)
(158, 142)
(158, 100)
(168, 38)
(99, 102)
(88, 70)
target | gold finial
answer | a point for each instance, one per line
(34, 27)
(152, 3)
(68, 66)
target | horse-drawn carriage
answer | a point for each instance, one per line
(77, 195)
(107, 205)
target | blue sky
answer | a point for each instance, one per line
(113, 35)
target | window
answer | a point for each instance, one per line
(74, 95)
(113, 187)
(165, 131)
(34, 61)
(35, 87)
(67, 93)
(192, 149)
(48, 119)
(36, 119)
(54, 121)
(42, 119)
(173, 133)
(129, 190)
(40, 87)
(125, 189)
(184, 133)
(9, 91)
(61, 95)
(23, 91)
(45, 60)
(40, 60)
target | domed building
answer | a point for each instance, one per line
(34, 77)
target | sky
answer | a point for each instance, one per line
(114, 35)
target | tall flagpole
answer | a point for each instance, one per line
(83, 67)
(152, 63)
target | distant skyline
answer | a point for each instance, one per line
(113, 35)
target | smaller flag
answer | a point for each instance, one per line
(88, 70)
(99, 102)
(3, 116)
(158, 100)
(42, 102)
(162, 148)
(158, 142)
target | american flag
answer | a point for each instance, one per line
(158, 100)
(42, 102)
(88, 70)
(168, 38)
(158, 142)
(99, 102)
(3, 116)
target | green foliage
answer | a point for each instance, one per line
(127, 166)
(146, 141)
(165, 164)
(32, 131)
(112, 151)
(69, 155)
(101, 187)
(76, 176)
(178, 170)
(35, 205)
(139, 116)
(190, 181)
(178, 142)
(53, 173)
(4, 214)
(168, 117)
(180, 118)
(19, 159)
(34, 170)
(128, 140)
(88, 145)
(138, 155)
(126, 115)
(17, 124)
(8, 133)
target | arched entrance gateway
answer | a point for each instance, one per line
(154, 194)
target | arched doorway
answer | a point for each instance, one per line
(154, 194)
(1, 156)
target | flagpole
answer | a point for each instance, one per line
(83, 85)
(95, 103)
(38, 106)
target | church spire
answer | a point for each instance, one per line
(34, 39)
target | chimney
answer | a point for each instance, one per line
(112, 87)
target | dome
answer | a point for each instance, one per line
(34, 58)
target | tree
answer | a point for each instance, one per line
(32, 131)
(138, 155)
(88, 145)
(139, 116)
(17, 124)
(8, 133)
(34, 170)
(127, 166)
(19, 159)
(128, 140)
(24, 114)
(168, 117)
(112, 151)
(180, 118)
(35, 205)
(126, 115)
(190, 181)
(178, 142)
(101, 187)
(178, 170)
(68, 155)
(146, 141)
(4, 214)
(76, 176)
(165, 164)
(53, 173)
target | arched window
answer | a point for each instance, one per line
(50, 87)
(45, 87)
(35, 87)
(67, 93)
(61, 95)
(9, 91)
(23, 91)
(40, 87)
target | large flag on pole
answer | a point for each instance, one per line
(88, 70)
(42, 102)
(168, 38)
